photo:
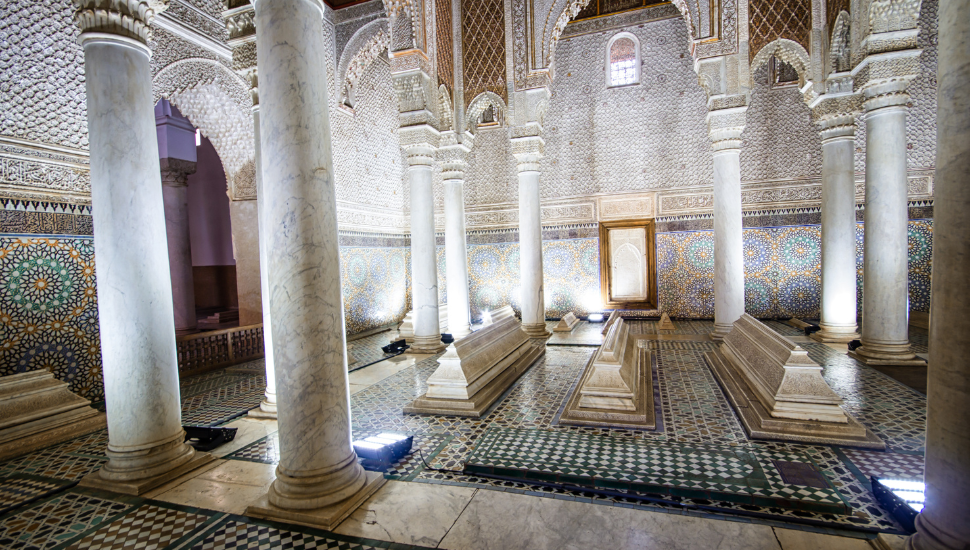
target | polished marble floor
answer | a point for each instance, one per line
(430, 501)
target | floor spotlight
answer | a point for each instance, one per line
(382, 450)
(595, 318)
(903, 497)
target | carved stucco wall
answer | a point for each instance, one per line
(367, 153)
(42, 94)
(780, 141)
(491, 175)
(648, 136)
(921, 119)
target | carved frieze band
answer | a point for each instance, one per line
(804, 194)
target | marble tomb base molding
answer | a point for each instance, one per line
(779, 393)
(477, 369)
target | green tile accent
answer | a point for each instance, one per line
(737, 474)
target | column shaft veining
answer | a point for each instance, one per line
(267, 407)
(885, 296)
(453, 167)
(725, 127)
(318, 478)
(146, 441)
(531, 298)
(838, 316)
(944, 523)
(424, 264)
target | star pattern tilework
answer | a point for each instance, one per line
(238, 535)
(49, 316)
(782, 270)
(55, 521)
(376, 286)
(147, 528)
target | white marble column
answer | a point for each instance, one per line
(838, 318)
(140, 369)
(725, 131)
(175, 180)
(424, 264)
(885, 299)
(944, 523)
(318, 479)
(530, 248)
(267, 407)
(456, 252)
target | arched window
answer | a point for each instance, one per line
(623, 60)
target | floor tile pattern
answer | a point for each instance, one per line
(55, 521)
(238, 535)
(147, 528)
(367, 350)
(424, 448)
(17, 489)
(55, 463)
(894, 465)
(736, 474)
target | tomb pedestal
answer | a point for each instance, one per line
(477, 369)
(616, 389)
(37, 411)
(567, 323)
(779, 393)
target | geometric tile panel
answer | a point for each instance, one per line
(571, 276)
(148, 528)
(49, 311)
(376, 286)
(893, 465)
(55, 521)
(737, 474)
(16, 489)
(782, 270)
(238, 535)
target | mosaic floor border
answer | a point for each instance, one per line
(742, 475)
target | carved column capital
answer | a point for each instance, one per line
(128, 18)
(453, 155)
(528, 151)
(176, 172)
(419, 143)
(835, 115)
(724, 127)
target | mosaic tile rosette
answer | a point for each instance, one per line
(782, 270)
(376, 286)
(570, 269)
(920, 264)
(49, 311)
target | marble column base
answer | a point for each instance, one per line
(838, 335)
(720, 331)
(536, 330)
(889, 355)
(427, 344)
(931, 537)
(326, 517)
(140, 486)
(266, 409)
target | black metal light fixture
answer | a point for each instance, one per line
(384, 449)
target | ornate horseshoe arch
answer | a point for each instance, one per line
(217, 102)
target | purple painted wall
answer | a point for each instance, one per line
(209, 227)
